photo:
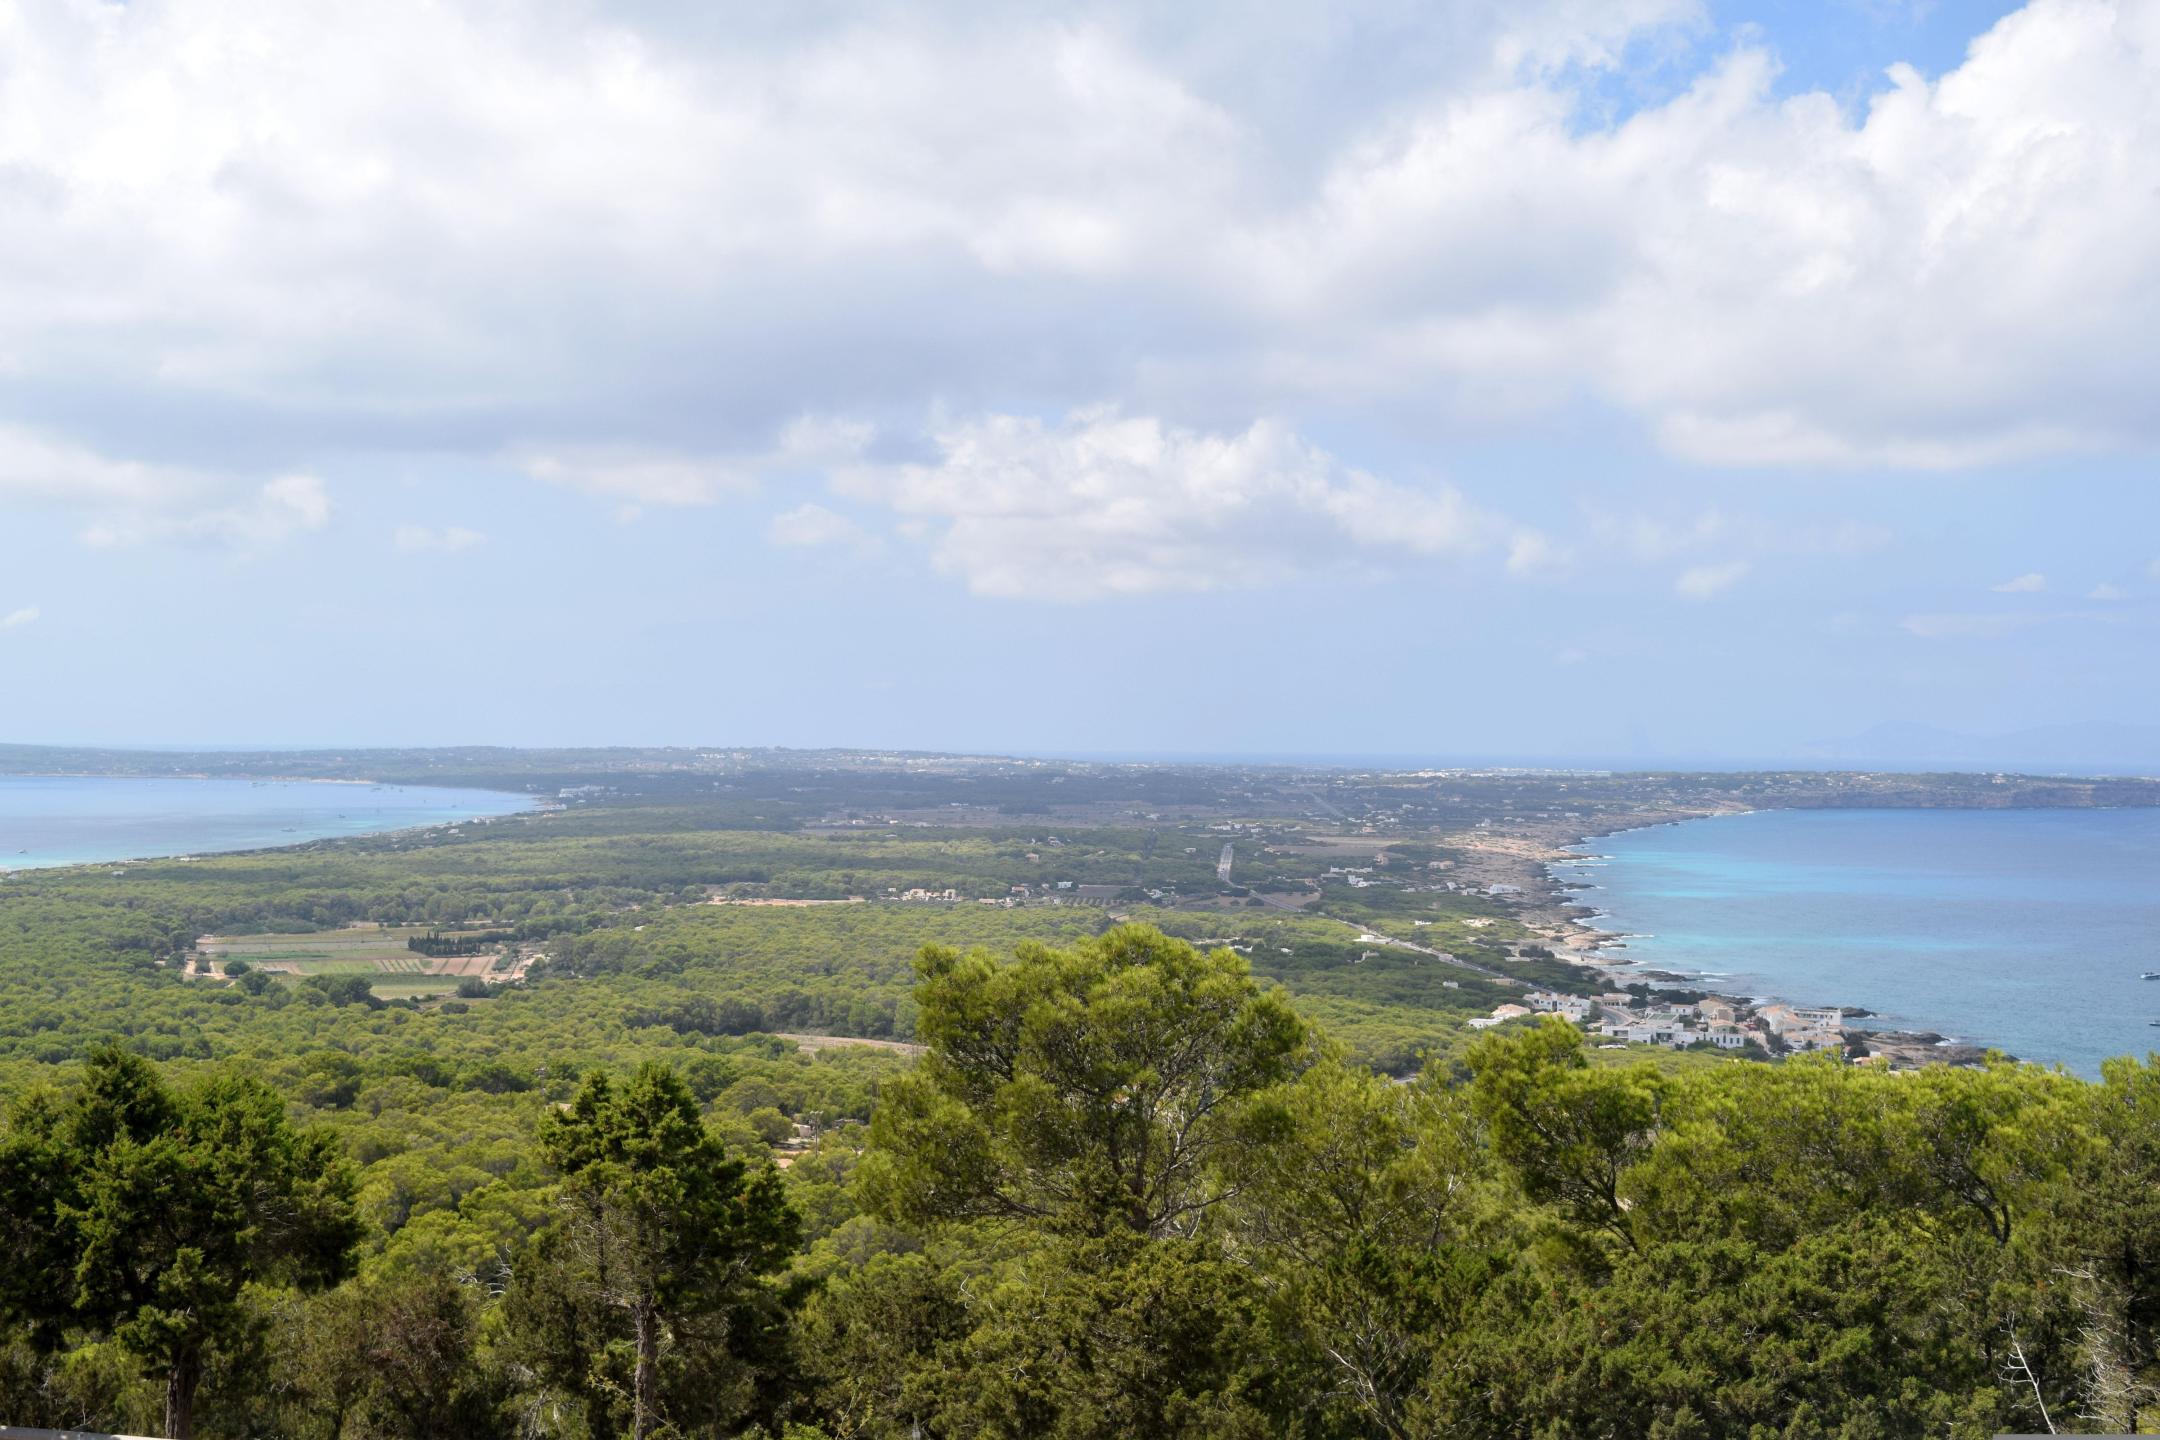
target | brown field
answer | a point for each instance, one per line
(362, 950)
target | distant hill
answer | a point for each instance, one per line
(2087, 749)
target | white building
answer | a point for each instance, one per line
(1782, 1018)
(1572, 1007)
(1657, 1030)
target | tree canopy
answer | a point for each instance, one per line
(162, 1208)
(1093, 1087)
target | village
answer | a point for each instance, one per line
(1718, 1021)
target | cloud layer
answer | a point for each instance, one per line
(424, 218)
(1102, 504)
(625, 250)
(126, 502)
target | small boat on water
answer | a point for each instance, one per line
(2150, 975)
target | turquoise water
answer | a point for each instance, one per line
(71, 820)
(2026, 929)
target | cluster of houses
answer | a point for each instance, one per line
(1726, 1024)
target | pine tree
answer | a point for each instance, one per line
(663, 1223)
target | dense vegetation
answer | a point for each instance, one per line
(1129, 1185)
(1127, 1191)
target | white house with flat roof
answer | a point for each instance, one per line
(1571, 1007)
(1781, 1018)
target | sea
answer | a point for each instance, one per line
(2027, 930)
(75, 820)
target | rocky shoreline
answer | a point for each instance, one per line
(1548, 905)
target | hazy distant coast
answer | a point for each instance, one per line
(49, 821)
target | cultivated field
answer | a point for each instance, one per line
(377, 951)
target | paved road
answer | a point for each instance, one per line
(1222, 866)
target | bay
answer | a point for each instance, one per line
(48, 820)
(2024, 929)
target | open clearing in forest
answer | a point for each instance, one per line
(357, 949)
(423, 987)
(377, 951)
(811, 1044)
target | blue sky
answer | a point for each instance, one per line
(1549, 380)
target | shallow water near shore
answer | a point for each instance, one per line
(48, 820)
(2023, 929)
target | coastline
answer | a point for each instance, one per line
(529, 804)
(1549, 905)
(247, 779)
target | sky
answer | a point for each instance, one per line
(1545, 379)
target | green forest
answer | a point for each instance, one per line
(962, 1170)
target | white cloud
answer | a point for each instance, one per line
(673, 478)
(38, 467)
(447, 540)
(618, 241)
(810, 525)
(289, 505)
(1104, 504)
(1768, 280)
(128, 502)
(16, 619)
(1705, 582)
(283, 508)
(2105, 591)
(1531, 552)
(2030, 583)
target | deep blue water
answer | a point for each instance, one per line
(2026, 929)
(70, 820)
